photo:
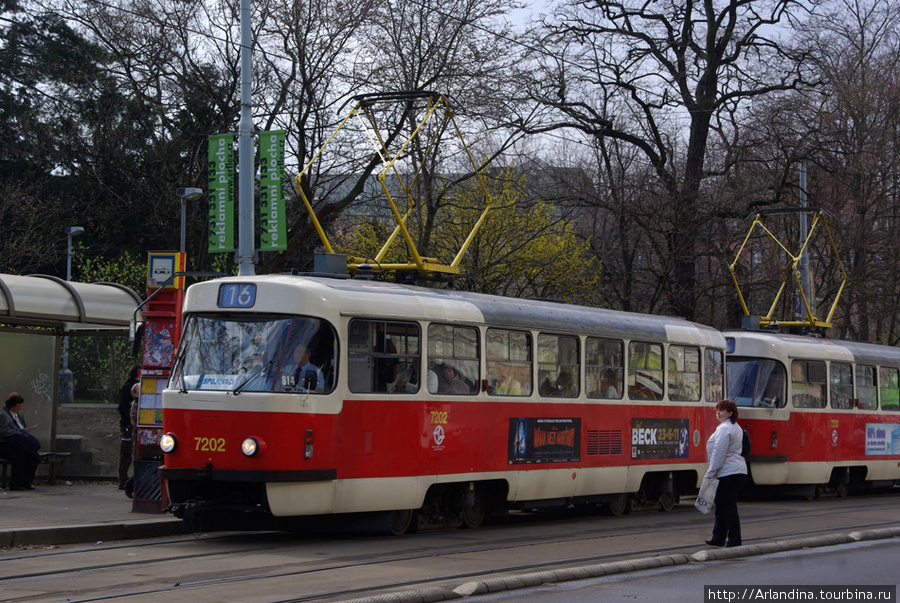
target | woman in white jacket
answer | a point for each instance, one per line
(723, 451)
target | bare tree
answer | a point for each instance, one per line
(856, 51)
(656, 75)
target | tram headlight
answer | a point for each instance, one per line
(168, 442)
(252, 446)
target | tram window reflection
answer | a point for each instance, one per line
(244, 354)
(889, 388)
(866, 390)
(684, 373)
(808, 384)
(558, 374)
(841, 385)
(604, 368)
(383, 356)
(645, 371)
(509, 355)
(713, 369)
(453, 360)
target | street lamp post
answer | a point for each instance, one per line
(186, 194)
(71, 232)
(66, 385)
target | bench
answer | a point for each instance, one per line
(51, 459)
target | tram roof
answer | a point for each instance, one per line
(797, 346)
(48, 301)
(413, 302)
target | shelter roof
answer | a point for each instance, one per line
(48, 301)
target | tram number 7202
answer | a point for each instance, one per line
(209, 444)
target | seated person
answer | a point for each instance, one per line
(504, 382)
(545, 388)
(564, 385)
(406, 381)
(293, 375)
(607, 384)
(444, 378)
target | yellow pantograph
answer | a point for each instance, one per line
(789, 268)
(432, 106)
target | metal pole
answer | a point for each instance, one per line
(246, 263)
(69, 258)
(804, 230)
(183, 225)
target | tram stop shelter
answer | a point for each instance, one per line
(38, 313)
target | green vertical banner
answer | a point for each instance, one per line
(221, 193)
(273, 230)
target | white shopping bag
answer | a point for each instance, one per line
(707, 494)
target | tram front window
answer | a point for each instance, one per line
(259, 354)
(756, 382)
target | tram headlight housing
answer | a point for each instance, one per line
(168, 442)
(252, 446)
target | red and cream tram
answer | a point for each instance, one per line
(821, 413)
(310, 395)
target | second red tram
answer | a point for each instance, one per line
(821, 413)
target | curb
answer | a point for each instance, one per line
(518, 581)
(90, 533)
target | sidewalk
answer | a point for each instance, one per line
(80, 512)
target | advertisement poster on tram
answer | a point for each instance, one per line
(544, 440)
(659, 438)
(882, 438)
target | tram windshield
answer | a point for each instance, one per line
(258, 354)
(756, 382)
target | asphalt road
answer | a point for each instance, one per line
(795, 574)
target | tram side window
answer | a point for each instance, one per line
(384, 356)
(604, 371)
(645, 371)
(558, 368)
(808, 384)
(715, 384)
(841, 385)
(453, 360)
(684, 373)
(866, 390)
(508, 362)
(889, 386)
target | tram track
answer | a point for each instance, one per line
(504, 541)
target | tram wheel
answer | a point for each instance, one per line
(842, 489)
(667, 501)
(403, 522)
(474, 509)
(619, 506)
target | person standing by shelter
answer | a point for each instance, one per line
(723, 449)
(126, 429)
(17, 445)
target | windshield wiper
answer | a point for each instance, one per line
(248, 378)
